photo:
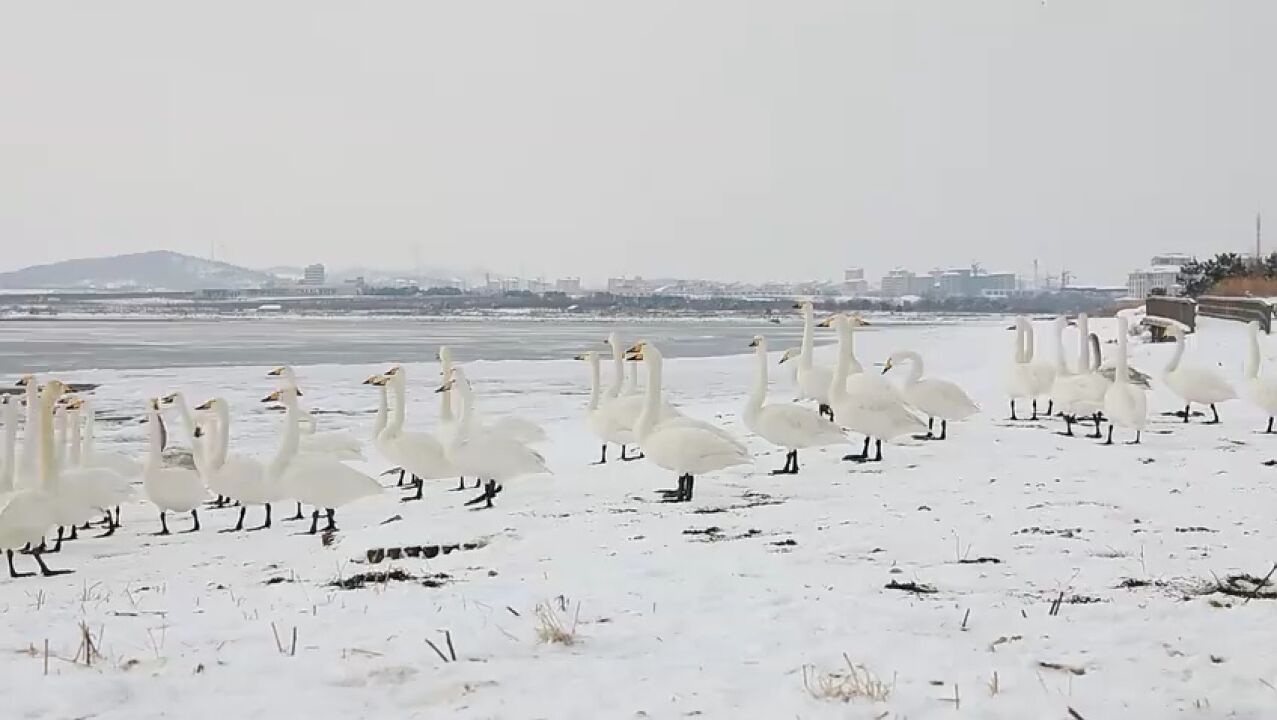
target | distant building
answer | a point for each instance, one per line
(632, 287)
(1161, 274)
(314, 274)
(854, 282)
(900, 282)
(568, 285)
(957, 282)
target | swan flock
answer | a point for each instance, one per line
(56, 484)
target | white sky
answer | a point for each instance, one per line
(718, 138)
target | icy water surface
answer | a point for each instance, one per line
(32, 346)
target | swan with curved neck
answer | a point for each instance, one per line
(1260, 389)
(1199, 385)
(681, 445)
(321, 481)
(421, 454)
(489, 455)
(341, 445)
(936, 398)
(1124, 403)
(245, 479)
(790, 427)
(813, 380)
(868, 405)
(602, 423)
(26, 513)
(1028, 380)
(28, 465)
(170, 489)
(90, 488)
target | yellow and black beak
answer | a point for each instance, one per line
(273, 397)
(207, 405)
(827, 322)
(581, 356)
(755, 342)
(377, 380)
(393, 371)
(25, 380)
(887, 368)
(446, 387)
(276, 372)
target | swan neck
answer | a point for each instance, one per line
(77, 438)
(595, 378)
(1177, 356)
(445, 398)
(7, 469)
(401, 399)
(289, 440)
(1252, 355)
(758, 393)
(916, 368)
(618, 370)
(805, 354)
(48, 470)
(838, 388)
(1123, 373)
(223, 434)
(383, 412)
(1083, 343)
(652, 397)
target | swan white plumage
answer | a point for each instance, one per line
(1028, 380)
(322, 481)
(864, 403)
(28, 463)
(1081, 394)
(624, 410)
(26, 513)
(71, 506)
(790, 427)
(1124, 403)
(664, 416)
(1060, 381)
(98, 488)
(484, 453)
(9, 462)
(1199, 385)
(170, 489)
(341, 445)
(681, 445)
(1260, 389)
(933, 397)
(244, 479)
(603, 424)
(813, 380)
(419, 453)
(516, 428)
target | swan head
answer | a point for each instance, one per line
(396, 370)
(27, 380)
(171, 398)
(281, 370)
(831, 321)
(636, 347)
(207, 405)
(444, 354)
(613, 340)
(53, 391)
(589, 355)
(446, 386)
(790, 354)
(805, 306)
(377, 380)
(286, 396)
(891, 362)
(757, 342)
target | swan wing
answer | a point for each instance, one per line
(121, 464)
(518, 429)
(942, 399)
(796, 427)
(342, 446)
(693, 449)
(98, 487)
(326, 482)
(497, 457)
(421, 454)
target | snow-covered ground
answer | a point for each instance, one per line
(717, 608)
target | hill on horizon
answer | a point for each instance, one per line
(154, 270)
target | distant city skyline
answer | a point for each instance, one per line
(718, 139)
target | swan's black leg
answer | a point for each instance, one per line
(239, 525)
(1068, 426)
(1097, 434)
(1110, 439)
(421, 487)
(603, 455)
(44, 569)
(298, 516)
(13, 573)
(1035, 409)
(1214, 415)
(314, 523)
(863, 456)
(1050, 407)
(117, 516)
(461, 484)
(265, 525)
(628, 458)
(1013, 417)
(110, 525)
(1187, 408)
(57, 547)
(878, 451)
(789, 463)
(691, 484)
(332, 521)
(1270, 427)
(195, 521)
(1137, 438)
(944, 429)
(163, 523)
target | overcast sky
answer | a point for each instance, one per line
(716, 138)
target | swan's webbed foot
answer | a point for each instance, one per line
(195, 523)
(314, 523)
(1214, 416)
(331, 527)
(109, 522)
(298, 516)
(420, 485)
(603, 455)
(163, 525)
(944, 430)
(490, 491)
(44, 569)
(791, 464)
(629, 458)
(13, 572)
(1136, 441)
(265, 525)
(461, 485)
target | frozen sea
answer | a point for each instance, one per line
(719, 608)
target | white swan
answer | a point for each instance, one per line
(1028, 380)
(28, 464)
(486, 454)
(322, 481)
(681, 445)
(516, 428)
(9, 462)
(867, 404)
(96, 488)
(813, 379)
(624, 410)
(418, 453)
(341, 445)
(1260, 389)
(1060, 381)
(246, 480)
(603, 424)
(170, 489)
(26, 513)
(936, 398)
(1195, 384)
(71, 506)
(791, 427)
(1124, 403)
(1081, 394)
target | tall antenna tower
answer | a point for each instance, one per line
(1259, 230)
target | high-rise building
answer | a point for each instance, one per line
(314, 274)
(568, 285)
(854, 282)
(1161, 274)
